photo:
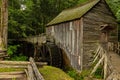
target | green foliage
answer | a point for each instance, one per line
(118, 16)
(78, 76)
(74, 75)
(85, 74)
(19, 20)
(115, 7)
(12, 49)
(99, 73)
(19, 58)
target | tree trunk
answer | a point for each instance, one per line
(3, 25)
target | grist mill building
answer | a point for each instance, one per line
(78, 30)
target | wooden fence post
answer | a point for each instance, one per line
(118, 49)
(36, 71)
(30, 73)
(105, 66)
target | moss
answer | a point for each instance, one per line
(74, 13)
(52, 73)
(10, 69)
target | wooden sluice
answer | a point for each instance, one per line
(39, 39)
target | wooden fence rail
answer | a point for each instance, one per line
(114, 46)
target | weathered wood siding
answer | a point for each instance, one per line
(68, 36)
(97, 16)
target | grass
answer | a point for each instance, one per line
(79, 76)
(99, 73)
(10, 69)
(52, 73)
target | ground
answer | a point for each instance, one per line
(52, 73)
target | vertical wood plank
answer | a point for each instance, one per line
(73, 36)
(67, 35)
(81, 43)
(77, 37)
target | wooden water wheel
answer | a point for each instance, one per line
(51, 53)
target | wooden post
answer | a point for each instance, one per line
(81, 43)
(3, 24)
(118, 49)
(30, 73)
(105, 67)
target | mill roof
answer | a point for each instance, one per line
(73, 13)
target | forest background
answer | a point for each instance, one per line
(29, 17)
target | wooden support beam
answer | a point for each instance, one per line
(97, 65)
(97, 51)
(97, 56)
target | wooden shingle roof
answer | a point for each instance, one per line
(74, 13)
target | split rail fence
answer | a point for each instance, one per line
(30, 67)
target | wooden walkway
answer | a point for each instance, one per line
(115, 61)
